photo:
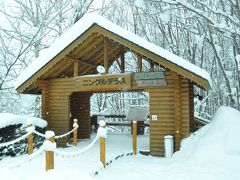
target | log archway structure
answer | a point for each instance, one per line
(66, 77)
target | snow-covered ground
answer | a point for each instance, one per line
(212, 153)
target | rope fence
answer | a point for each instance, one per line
(5, 144)
(76, 153)
(39, 134)
(50, 147)
(66, 134)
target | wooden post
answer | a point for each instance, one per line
(151, 66)
(76, 68)
(177, 102)
(75, 132)
(30, 142)
(139, 62)
(122, 63)
(134, 136)
(105, 54)
(102, 133)
(103, 151)
(50, 156)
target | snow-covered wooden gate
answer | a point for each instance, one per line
(66, 76)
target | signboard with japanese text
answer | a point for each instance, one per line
(105, 82)
(149, 75)
(137, 113)
(150, 78)
(153, 82)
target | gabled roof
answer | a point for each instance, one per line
(96, 23)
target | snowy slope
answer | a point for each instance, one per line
(85, 23)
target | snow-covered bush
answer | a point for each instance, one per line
(13, 132)
(14, 126)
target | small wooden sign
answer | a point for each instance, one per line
(105, 82)
(153, 82)
(149, 75)
(137, 113)
(150, 78)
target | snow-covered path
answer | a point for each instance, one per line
(88, 163)
(212, 153)
(139, 167)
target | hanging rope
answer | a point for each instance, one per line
(39, 134)
(66, 134)
(76, 153)
(59, 136)
(102, 132)
(16, 140)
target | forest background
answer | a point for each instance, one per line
(204, 32)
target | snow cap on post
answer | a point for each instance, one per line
(75, 123)
(49, 144)
(102, 130)
(30, 128)
(29, 122)
(102, 123)
(49, 134)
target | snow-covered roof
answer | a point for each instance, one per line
(82, 26)
(8, 119)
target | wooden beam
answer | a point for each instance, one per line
(122, 58)
(177, 105)
(151, 66)
(80, 61)
(203, 83)
(105, 56)
(90, 41)
(76, 64)
(139, 62)
(91, 50)
(51, 63)
(113, 54)
(56, 72)
(119, 64)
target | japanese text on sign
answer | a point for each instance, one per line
(104, 81)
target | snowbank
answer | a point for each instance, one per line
(218, 142)
(7, 119)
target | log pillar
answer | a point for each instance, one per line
(177, 105)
